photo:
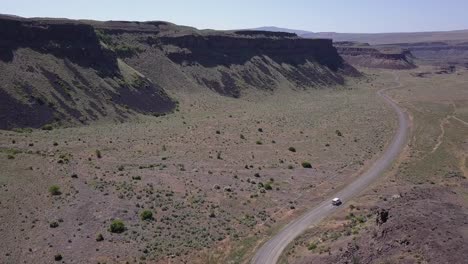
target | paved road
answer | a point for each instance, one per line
(270, 252)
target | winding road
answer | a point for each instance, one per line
(270, 252)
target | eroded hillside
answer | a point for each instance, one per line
(65, 72)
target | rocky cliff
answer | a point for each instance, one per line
(364, 55)
(438, 52)
(66, 72)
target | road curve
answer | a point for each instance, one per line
(270, 252)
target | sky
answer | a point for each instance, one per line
(350, 16)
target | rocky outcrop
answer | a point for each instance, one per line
(439, 52)
(229, 63)
(69, 40)
(57, 72)
(228, 50)
(373, 57)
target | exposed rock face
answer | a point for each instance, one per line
(372, 57)
(75, 72)
(230, 63)
(73, 41)
(228, 50)
(438, 52)
(58, 72)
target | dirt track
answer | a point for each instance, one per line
(272, 249)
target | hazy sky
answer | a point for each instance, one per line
(312, 15)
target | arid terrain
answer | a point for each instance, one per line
(417, 213)
(149, 142)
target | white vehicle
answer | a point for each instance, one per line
(336, 201)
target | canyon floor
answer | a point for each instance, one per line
(221, 175)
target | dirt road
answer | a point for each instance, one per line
(270, 252)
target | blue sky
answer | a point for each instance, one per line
(313, 15)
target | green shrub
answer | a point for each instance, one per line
(104, 37)
(259, 142)
(306, 165)
(312, 246)
(292, 149)
(98, 153)
(47, 127)
(146, 215)
(267, 186)
(11, 156)
(117, 226)
(54, 190)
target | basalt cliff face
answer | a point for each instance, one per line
(66, 72)
(438, 52)
(364, 55)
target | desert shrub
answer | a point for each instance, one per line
(121, 168)
(58, 257)
(23, 130)
(117, 226)
(292, 149)
(54, 190)
(260, 130)
(258, 142)
(242, 136)
(98, 153)
(136, 178)
(312, 246)
(126, 51)
(338, 133)
(267, 186)
(146, 215)
(47, 127)
(218, 132)
(290, 167)
(104, 37)
(306, 165)
(99, 237)
(10, 156)
(53, 224)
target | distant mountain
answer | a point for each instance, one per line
(277, 29)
